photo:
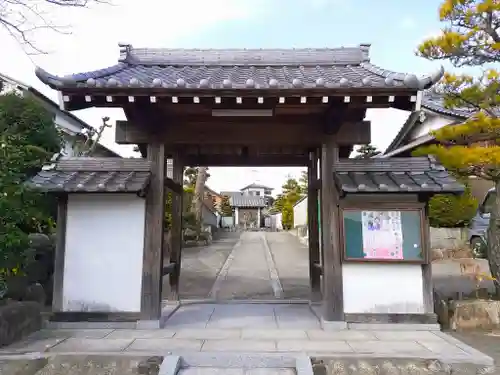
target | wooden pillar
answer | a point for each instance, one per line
(58, 277)
(312, 226)
(428, 288)
(333, 306)
(153, 235)
(176, 229)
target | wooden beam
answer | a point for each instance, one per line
(62, 214)
(333, 304)
(256, 161)
(174, 186)
(176, 229)
(153, 235)
(313, 226)
(225, 132)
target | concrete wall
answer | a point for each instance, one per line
(448, 238)
(209, 217)
(104, 252)
(382, 288)
(300, 213)
(227, 221)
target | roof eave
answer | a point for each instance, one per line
(71, 83)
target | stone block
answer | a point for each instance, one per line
(273, 334)
(67, 333)
(208, 334)
(18, 320)
(91, 345)
(340, 335)
(239, 345)
(140, 334)
(475, 314)
(314, 346)
(387, 347)
(164, 345)
(149, 324)
(393, 327)
(406, 335)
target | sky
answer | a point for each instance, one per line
(91, 36)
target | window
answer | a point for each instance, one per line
(488, 202)
(257, 193)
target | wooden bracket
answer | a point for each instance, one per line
(173, 186)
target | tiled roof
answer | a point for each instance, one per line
(394, 175)
(435, 102)
(238, 199)
(93, 175)
(335, 68)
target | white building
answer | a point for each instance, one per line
(72, 127)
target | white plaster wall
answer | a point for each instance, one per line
(68, 125)
(253, 191)
(104, 252)
(382, 288)
(276, 221)
(300, 213)
(431, 123)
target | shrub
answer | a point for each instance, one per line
(449, 211)
(287, 216)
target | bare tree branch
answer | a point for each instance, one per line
(21, 18)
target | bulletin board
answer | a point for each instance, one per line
(383, 236)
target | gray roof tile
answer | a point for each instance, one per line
(394, 175)
(238, 199)
(93, 175)
(242, 69)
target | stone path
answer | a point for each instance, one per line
(201, 265)
(246, 266)
(218, 330)
(292, 263)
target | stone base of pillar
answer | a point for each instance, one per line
(333, 326)
(149, 324)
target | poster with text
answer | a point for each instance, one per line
(382, 235)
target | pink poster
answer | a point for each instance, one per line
(382, 235)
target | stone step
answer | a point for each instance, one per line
(235, 371)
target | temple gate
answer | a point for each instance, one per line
(281, 107)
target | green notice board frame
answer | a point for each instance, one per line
(413, 249)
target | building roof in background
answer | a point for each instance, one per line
(52, 106)
(431, 102)
(93, 175)
(238, 199)
(246, 201)
(394, 175)
(298, 68)
(256, 186)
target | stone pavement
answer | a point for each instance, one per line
(291, 259)
(201, 265)
(247, 265)
(218, 330)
